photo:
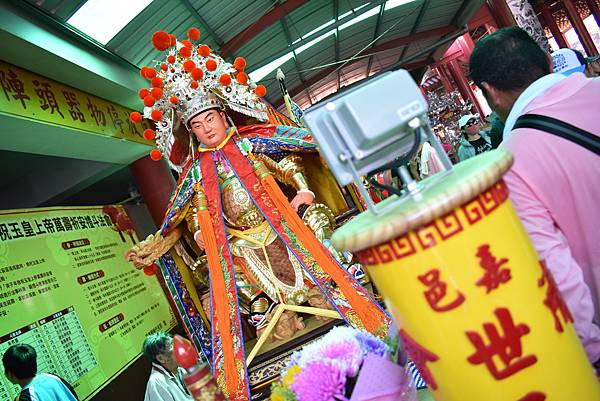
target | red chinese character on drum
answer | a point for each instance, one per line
(437, 292)
(420, 356)
(505, 345)
(533, 396)
(495, 274)
(553, 299)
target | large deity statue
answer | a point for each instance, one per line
(228, 217)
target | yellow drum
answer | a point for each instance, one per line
(479, 315)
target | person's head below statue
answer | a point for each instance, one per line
(504, 64)
(158, 347)
(206, 120)
(20, 364)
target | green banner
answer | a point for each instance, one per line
(66, 289)
(26, 94)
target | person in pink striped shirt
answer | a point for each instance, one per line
(554, 183)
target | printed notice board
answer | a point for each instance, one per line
(66, 289)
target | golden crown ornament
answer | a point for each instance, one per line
(191, 80)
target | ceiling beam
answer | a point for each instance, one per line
(277, 13)
(389, 45)
(416, 25)
(376, 35)
(316, 34)
(202, 22)
(288, 37)
(324, 73)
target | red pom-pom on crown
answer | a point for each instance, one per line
(239, 63)
(161, 40)
(149, 134)
(242, 78)
(189, 65)
(156, 93)
(197, 74)
(143, 93)
(260, 91)
(193, 34)
(225, 80)
(204, 51)
(135, 117)
(149, 101)
(156, 115)
(155, 155)
(211, 65)
(185, 52)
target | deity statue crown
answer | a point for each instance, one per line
(190, 80)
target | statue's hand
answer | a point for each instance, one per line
(153, 247)
(199, 239)
(302, 198)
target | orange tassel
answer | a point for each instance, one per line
(219, 293)
(369, 317)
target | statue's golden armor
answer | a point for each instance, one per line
(264, 265)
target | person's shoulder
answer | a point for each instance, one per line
(156, 376)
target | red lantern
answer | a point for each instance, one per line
(186, 43)
(194, 85)
(164, 67)
(174, 100)
(156, 82)
(171, 59)
(185, 354)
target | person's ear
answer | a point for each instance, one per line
(493, 94)
(224, 118)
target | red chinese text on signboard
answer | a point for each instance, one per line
(503, 345)
(554, 300)
(495, 271)
(13, 87)
(420, 356)
(437, 291)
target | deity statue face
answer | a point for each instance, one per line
(209, 127)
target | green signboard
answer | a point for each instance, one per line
(66, 289)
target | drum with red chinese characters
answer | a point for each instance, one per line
(479, 315)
